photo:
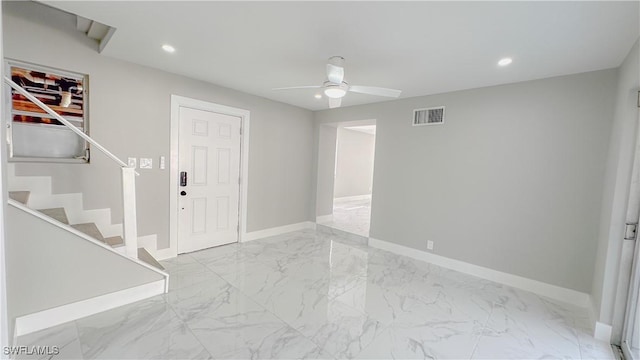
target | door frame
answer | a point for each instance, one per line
(630, 315)
(321, 193)
(630, 270)
(174, 163)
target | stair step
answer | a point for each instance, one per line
(114, 241)
(56, 213)
(90, 229)
(144, 255)
(20, 196)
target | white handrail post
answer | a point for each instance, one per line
(130, 231)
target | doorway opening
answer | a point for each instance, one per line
(345, 176)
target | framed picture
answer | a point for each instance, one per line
(33, 134)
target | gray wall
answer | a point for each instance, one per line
(326, 160)
(354, 163)
(45, 271)
(616, 188)
(512, 181)
(130, 115)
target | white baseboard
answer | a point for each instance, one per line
(552, 291)
(324, 218)
(355, 197)
(59, 315)
(254, 235)
(162, 254)
(168, 253)
(602, 332)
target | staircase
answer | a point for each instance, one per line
(59, 214)
(87, 263)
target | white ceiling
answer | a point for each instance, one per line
(419, 47)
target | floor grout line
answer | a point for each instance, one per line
(484, 327)
(286, 324)
(188, 328)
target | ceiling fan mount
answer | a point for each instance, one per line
(335, 88)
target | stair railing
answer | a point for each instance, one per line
(130, 232)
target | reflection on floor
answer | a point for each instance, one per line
(351, 215)
(312, 295)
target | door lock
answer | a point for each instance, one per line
(183, 193)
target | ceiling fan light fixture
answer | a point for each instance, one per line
(505, 61)
(168, 48)
(335, 92)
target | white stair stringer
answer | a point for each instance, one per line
(41, 197)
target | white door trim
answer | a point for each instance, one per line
(176, 103)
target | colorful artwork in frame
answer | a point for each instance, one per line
(33, 133)
(63, 92)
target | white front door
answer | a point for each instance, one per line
(209, 155)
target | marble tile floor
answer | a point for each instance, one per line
(310, 295)
(349, 215)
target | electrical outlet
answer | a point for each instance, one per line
(146, 163)
(429, 245)
(133, 162)
(161, 162)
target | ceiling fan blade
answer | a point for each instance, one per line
(334, 103)
(335, 74)
(298, 87)
(372, 90)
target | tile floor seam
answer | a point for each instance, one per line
(322, 347)
(579, 344)
(274, 314)
(190, 330)
(484, 327)
(75, 325)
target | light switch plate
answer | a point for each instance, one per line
(146, 163)
(132, 162)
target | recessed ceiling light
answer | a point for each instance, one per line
(317, 96)
(505, 61)
(168, 48)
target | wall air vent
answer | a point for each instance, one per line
(428, 116)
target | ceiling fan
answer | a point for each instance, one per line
(335, 88)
